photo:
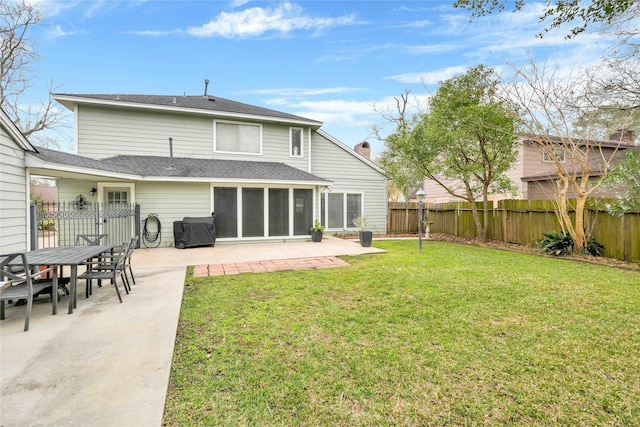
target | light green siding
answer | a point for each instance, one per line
(105, 132)
(172, 201)
(351, 174)
(13, 195)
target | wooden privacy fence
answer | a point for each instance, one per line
(520, 222)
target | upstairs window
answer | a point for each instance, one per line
(237, 138)
(558, 153)
(295, 142)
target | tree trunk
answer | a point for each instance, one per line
(580, 238)
(476, 218)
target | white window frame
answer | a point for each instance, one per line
(347, 225)
(291, 153)
(228, 122)
(547, 159)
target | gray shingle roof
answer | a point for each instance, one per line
(154, 166)
(201, 103)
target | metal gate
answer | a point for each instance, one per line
(58, 224)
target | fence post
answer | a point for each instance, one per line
(503, 219)
(33, 226)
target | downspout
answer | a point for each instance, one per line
(31, 242)
(76, 111)
(309, 150)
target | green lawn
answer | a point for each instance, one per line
(455, 335)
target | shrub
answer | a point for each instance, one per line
(559, 243)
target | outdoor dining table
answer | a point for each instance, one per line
(71, 256)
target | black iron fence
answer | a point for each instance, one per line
(58, 224)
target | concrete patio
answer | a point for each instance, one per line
(108, 364)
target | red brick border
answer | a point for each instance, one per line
(315, 263)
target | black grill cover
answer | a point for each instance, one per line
(196, 231)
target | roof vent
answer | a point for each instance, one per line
(174, 99)
(206, 84)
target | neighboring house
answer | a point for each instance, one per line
(267, 175)
(533, 173)
(14, 187)
(44, 194)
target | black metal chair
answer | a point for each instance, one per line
(107, 267)
(92, 239)
(20, 282)
(127, 261)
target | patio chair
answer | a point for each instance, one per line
(107, 267)
(127, 261)
(20, 282)
(92, 239)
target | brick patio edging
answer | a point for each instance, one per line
(268, 266)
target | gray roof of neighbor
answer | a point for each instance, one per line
(178, 167)
(209, 103)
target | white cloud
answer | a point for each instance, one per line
(432, 77)
(257, 21)
(56, 31)
(297, 92)
(238, 3)
(415, 24)
(429, 48)
(54, 7)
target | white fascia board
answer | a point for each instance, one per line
(350, 151)
(235, 181)
(15, 133)
(79, 100)
(35, 163)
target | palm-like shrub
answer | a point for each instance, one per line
(560, 243)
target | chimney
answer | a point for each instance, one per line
(206, 84)
(624, 136)
(363, 149)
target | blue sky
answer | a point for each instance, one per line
(331, 61)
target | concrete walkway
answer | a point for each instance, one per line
(108, 364)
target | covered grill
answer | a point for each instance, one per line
(195, 231)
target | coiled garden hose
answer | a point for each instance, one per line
(151, 236)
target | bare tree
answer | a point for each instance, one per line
(559, 115)
(18, 55)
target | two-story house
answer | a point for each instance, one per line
(266, 174)
(534, 171)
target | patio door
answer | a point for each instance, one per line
(302, 212)
(116, 219)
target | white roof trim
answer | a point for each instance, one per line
(15, 133)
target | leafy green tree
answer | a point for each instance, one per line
(465, 142)
(558, 12)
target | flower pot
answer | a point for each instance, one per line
(365, 238)
(316, 236)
